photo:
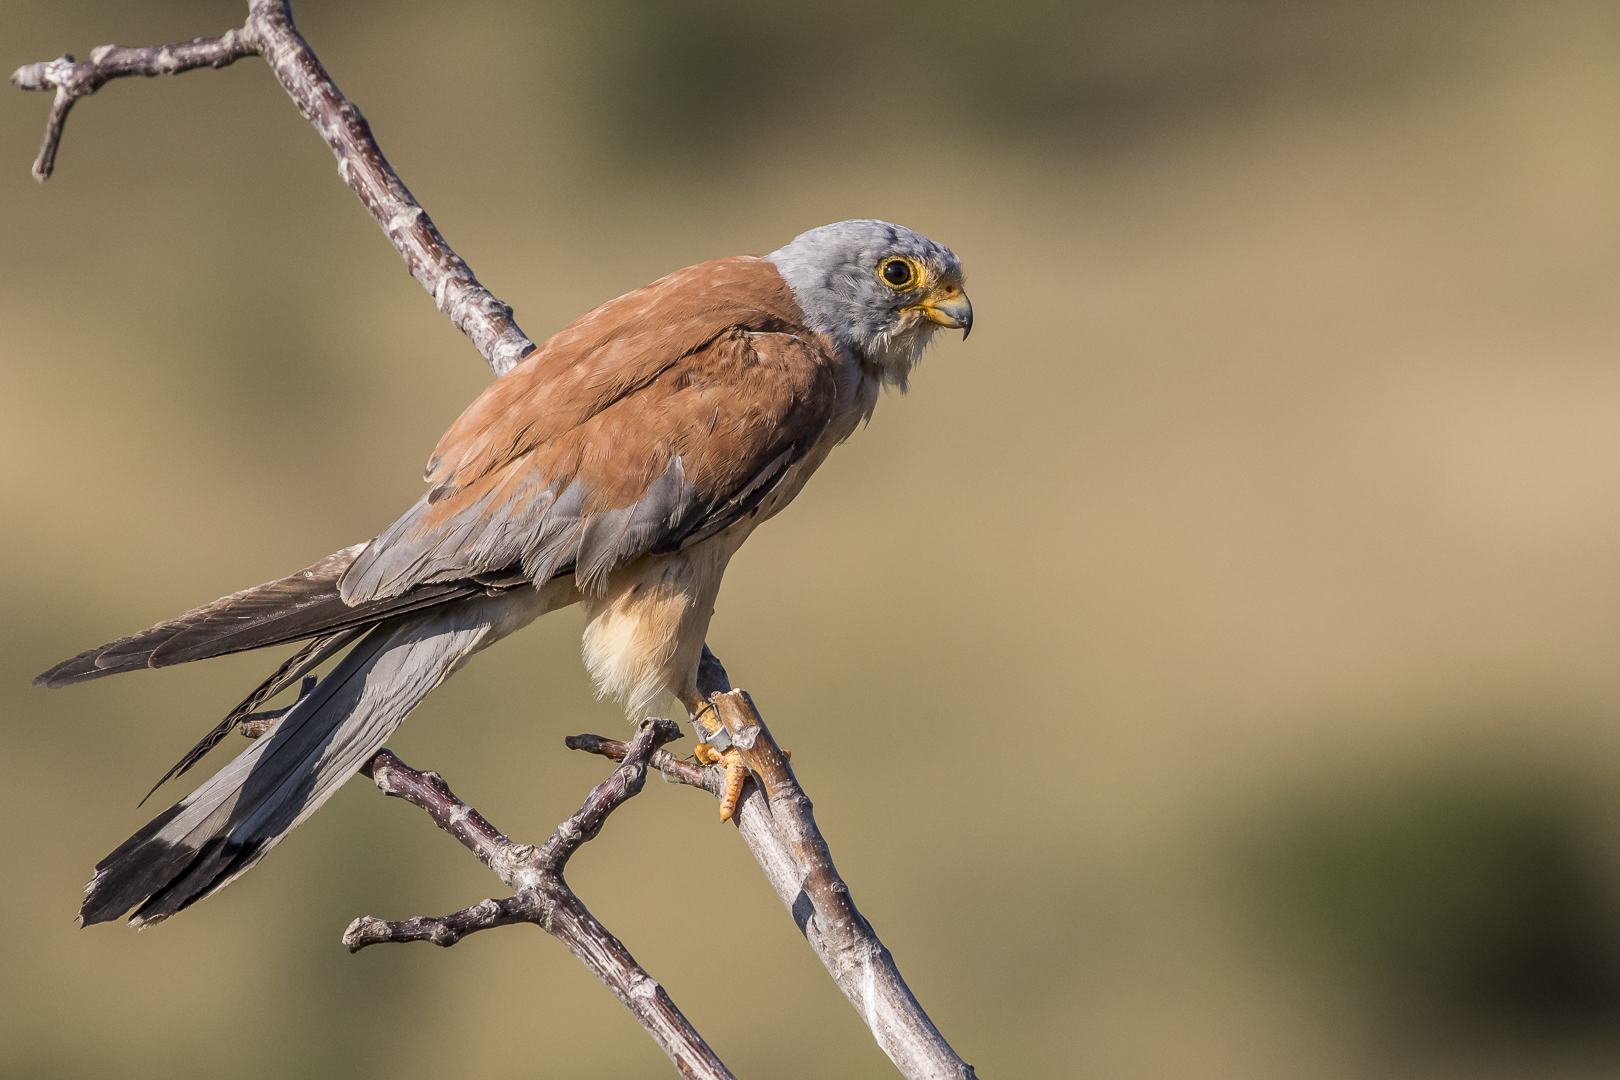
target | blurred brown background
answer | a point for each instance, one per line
(1211, 669)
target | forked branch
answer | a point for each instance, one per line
(73, 80)
(541, 895)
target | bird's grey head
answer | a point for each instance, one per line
(877, 289)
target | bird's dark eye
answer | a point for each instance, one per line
(898, 273)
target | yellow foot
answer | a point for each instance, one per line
(736, 775)
(736, 772)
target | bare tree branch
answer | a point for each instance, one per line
(73, 80)
(542, 896)
(270, 33)
(779, 827)
(472, 308)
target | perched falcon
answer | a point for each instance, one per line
(617, 466)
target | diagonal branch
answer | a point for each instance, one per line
(542, 896)
(270, 33)
(780, 829)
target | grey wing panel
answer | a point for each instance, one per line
(548, 534)
(667, 508)
(732, 510)
(481, 539)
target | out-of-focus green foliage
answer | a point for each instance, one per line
(1476, 905)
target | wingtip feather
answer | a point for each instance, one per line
(87, 666)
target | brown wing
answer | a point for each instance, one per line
(299, 606)
(653, 422)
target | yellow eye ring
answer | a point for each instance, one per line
(899, 274)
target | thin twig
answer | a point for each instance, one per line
(270, 33)
(73, 80)
(779, 826)
(542, 896)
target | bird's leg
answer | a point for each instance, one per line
(707, 719)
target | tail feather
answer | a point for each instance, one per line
(302, 605)
(218, 832)
(295, 667)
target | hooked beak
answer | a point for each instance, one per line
(949, 307)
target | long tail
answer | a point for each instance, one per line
(218, 832)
